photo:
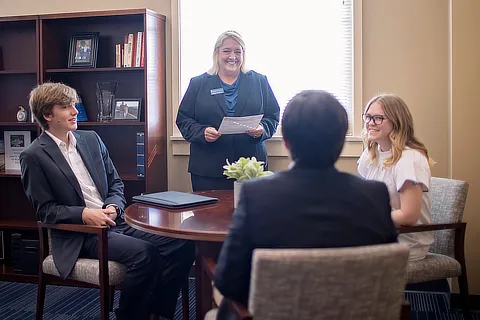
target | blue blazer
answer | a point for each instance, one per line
(54, 191)
(200, 109)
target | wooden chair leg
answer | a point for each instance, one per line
(111, 297)
(40, 296)
(405, 311)
(463, 286)
(185, 300)
(104, 302)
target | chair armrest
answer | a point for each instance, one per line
(101, 232)
(74, 228)
(237, 308)
(431, 227)
(405, 310)
(240, 311)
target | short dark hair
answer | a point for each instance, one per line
(314, 125)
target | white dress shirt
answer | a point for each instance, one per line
(92, 197)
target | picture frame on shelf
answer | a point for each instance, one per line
(83, 50)
(15, 142)
(127, 109)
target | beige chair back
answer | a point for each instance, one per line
(447, 197)
(342, 283)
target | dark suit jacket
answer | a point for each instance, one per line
(301, 208)
(200, 109)
(55, 193)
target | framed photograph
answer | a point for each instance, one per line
(127, 109)
(83, 50)
(15, 142)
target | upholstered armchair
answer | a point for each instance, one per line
(446, 257)
(340, 283)
(103, 274)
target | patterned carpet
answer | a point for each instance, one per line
(18, 302)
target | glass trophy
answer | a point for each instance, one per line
(105, 96)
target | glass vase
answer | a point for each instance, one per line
(105, 96)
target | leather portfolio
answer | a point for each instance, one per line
(174, 199)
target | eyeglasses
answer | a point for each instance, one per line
(377, 119)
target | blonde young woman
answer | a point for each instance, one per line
(395, 156)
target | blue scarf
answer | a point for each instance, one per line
(230, 92)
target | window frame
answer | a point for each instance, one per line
(354, 143)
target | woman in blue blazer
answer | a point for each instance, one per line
(227, 89)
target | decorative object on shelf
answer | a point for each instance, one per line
(127, 109)
(15, 143)
(83, 50)
(241, 170)
(105, 92)
(22, 115)
(82, 114)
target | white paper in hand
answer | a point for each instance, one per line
(233, 125)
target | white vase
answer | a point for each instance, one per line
(237, 186)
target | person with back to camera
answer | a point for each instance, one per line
(310, 205)
(396, 157)
(227, 89)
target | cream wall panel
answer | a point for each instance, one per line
(465, 114)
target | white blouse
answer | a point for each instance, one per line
(412, 166)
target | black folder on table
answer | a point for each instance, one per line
(174, 199)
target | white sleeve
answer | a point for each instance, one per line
(412, 166)
(362, 164)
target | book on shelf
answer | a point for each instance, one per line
(2, 249)
(2, 154)
(82, 114)
(15, 142)
(141, 154)
(131, 52)
(1, 59)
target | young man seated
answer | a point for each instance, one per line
(69, 178)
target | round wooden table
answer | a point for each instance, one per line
(203, 223)
(207, 225)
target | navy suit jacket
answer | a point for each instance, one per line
(301, 208)
(54, 191)
(200, 109)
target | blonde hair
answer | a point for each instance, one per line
(402, 134)
(43, 97)
(226, 35)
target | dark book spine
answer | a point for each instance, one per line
(141, 154)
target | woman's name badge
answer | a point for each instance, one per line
(216, 91)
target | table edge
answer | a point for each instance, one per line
(175, 233)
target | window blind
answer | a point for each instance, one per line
(298, 45)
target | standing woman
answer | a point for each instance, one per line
(395, 156)
(227, 89)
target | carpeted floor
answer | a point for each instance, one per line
(18, 302)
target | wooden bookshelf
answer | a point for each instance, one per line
(35, 50)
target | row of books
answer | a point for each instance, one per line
(132, 52)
